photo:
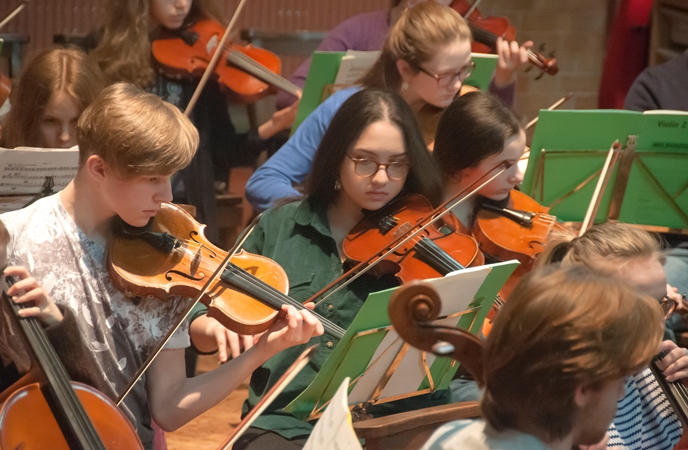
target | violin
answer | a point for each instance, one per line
(245, 72)
(432, 254)
(517, 230)
(54, 412)
(172, 256)
(486, 30)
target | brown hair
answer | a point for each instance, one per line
(472, 128)
(563, 328)
(124, 48)
(415, 38)
(51, 71)
(608, 246)
(136, 133)
(357, 113)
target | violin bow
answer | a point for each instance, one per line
(530, 124)
(271, 395)
(144, 367)
(439, 212)
(213, 61)
(14, 12)
(555, 105)
(602, 182)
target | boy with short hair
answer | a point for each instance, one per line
(130, 144)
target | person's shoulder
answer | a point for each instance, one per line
(282, 210)
(30, 214)
(340, 97)
(455, 434)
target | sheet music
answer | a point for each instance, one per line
(23, 172)
(410, 372)
(354, 65)
(334, 429)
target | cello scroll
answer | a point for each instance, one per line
(413, 307)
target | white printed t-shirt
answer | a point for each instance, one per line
(119, 331)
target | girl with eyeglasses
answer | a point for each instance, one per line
(425, 59)
(371, 152)
(644, 418)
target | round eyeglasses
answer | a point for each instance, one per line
(668, 306)
(448, 79)
(364, 167)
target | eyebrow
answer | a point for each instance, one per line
(370, 153)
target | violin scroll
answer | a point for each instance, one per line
(412, 308)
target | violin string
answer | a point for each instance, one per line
(270, 77)
(445, 207)
(275, 296)
(275, 78)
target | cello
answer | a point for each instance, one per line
(71, 415)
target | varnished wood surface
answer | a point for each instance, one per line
(210, 429)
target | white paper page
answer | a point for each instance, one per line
(354, 65)
(334, 429)
(23, 170)
(457, 292)
(366, 384)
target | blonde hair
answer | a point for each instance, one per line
(124, 48)
(136, 133)
(563, 328)
(415, 39)
(608, 247)
(51, 71)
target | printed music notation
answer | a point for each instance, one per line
(24, 170)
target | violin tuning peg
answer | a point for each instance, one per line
(542, 46)
(539, 75)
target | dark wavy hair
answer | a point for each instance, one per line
(355, 115)
(473, 127)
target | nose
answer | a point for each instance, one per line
(380, 178)
(181, 4)
(164, 194)
(456, 86)
(517, 175)
(64, 135)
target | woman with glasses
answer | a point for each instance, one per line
(371, 152)
(644, 418)
(425, 59)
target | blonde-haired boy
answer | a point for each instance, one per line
(131, 143)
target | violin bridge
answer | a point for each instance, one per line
(196, 261)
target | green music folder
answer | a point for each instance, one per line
(649, 183)
(370, 345)
(325, 65)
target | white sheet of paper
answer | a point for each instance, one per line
(354, 65)
(410, 373)
(334, 429)
(23, 170)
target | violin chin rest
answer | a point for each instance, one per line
(120, 227)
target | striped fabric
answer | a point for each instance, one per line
(644, 419)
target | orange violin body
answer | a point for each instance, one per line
(173, 257)
(486, 30)
(139, 268)
(189, 56)
(432, 254)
